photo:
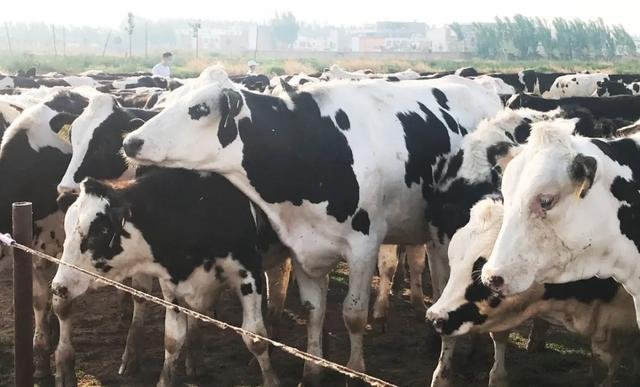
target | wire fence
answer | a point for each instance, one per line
(346, 371)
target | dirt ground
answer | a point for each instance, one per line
(403, 355)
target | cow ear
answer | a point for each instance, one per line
(582, 171)
(65, 200)
(230, 105)
(286, 86)
(135, 123)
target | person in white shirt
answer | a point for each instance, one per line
(162, 69)
(253, 65)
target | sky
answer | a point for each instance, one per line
(111, 13)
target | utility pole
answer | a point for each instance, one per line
(6, 28)
(64, 41)
(55, 49)
(146, 39)
(106, 42)
(195, 27)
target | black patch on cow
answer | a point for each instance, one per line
(498, 150)
(522, 131)
(243, 273)
(582, 171)
(585, 291)
(393, 78)
(426, 140)
(68, 102)
(246, 289)
(441, 98)
(303, 81)
(104, 238)
(198, 111)
(625, 151)
(286, 154)
(103, 158)
(360, 221)
(60, 120)
(451, 122)
(207, 264)
(3, 126)
(636, 88)
(187, 219)
(33, 176)
(342, 120)
(52, 234)
(230, 105)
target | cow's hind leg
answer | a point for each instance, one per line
(387, 265)
(278, 278)
(249, 291)
(356, 303)
(417, 260)
(135, 337)
(313, 295)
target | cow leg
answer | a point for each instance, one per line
(416, 260)
(65, 354)
(42, 344)
(278, 279)
(202, 303)
(252, 321)
(356, 303)
(387, 265)
(175, 333)
(398, 280)
(442, 375)
(498, 373)
(313, 295)
(135, 337)
(438, 267)
(537, 334)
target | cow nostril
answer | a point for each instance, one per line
(132, 146)
(496, 282)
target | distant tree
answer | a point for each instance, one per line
(195, 28)
(285, 28)
(457, 29)
(129, 27)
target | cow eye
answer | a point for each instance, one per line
(547, 201)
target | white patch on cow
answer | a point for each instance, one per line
(7, 82)
(76, 81)
(575, 85)
(496, 85)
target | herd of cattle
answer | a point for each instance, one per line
(522, 190)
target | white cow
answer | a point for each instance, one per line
(575, 85)
(339, 169)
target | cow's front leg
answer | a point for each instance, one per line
(42, 344)
(537, 335)
(387, 265)
(442, 375)
(498, 373)
(313, 295)
(135, 337)
(355, 307)
(417, 260)
(250, 294)
(65, 354)
(175, 333)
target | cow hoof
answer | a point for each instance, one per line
(498, 381)
(129, 365)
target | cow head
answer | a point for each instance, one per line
(553, 210)
(191, 131)
(96, 139)
(99, 238)
(466, 302)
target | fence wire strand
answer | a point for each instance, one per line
(371, 380)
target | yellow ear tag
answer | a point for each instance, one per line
(579, 190)
(65, 133)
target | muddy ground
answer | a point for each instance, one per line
(403, 355)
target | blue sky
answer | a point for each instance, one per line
(111, 12)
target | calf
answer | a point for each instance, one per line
(608, 88)
(597, 308)
(195, 232)
(338, 168)
(571, 210)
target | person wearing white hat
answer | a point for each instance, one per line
(253, 65)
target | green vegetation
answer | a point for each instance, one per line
(524, 37)
(187, 66)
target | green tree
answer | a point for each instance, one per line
(285, 28)
(129, 27)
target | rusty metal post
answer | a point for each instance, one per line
(23, 295)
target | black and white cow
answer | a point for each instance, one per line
(195, 232)
(141, 81)
(575, 85)
(571, 209)
(13, 81)
(537, 82)
(68, 81)
(626, 107)
(597, 308)
(33, 158)
(608, 88)
(338, 169)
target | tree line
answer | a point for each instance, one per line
(523, 37)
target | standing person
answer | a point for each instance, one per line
(253, 66)
(162, 69)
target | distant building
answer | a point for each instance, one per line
(449, 39)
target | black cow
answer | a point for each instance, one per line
(626, 107)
